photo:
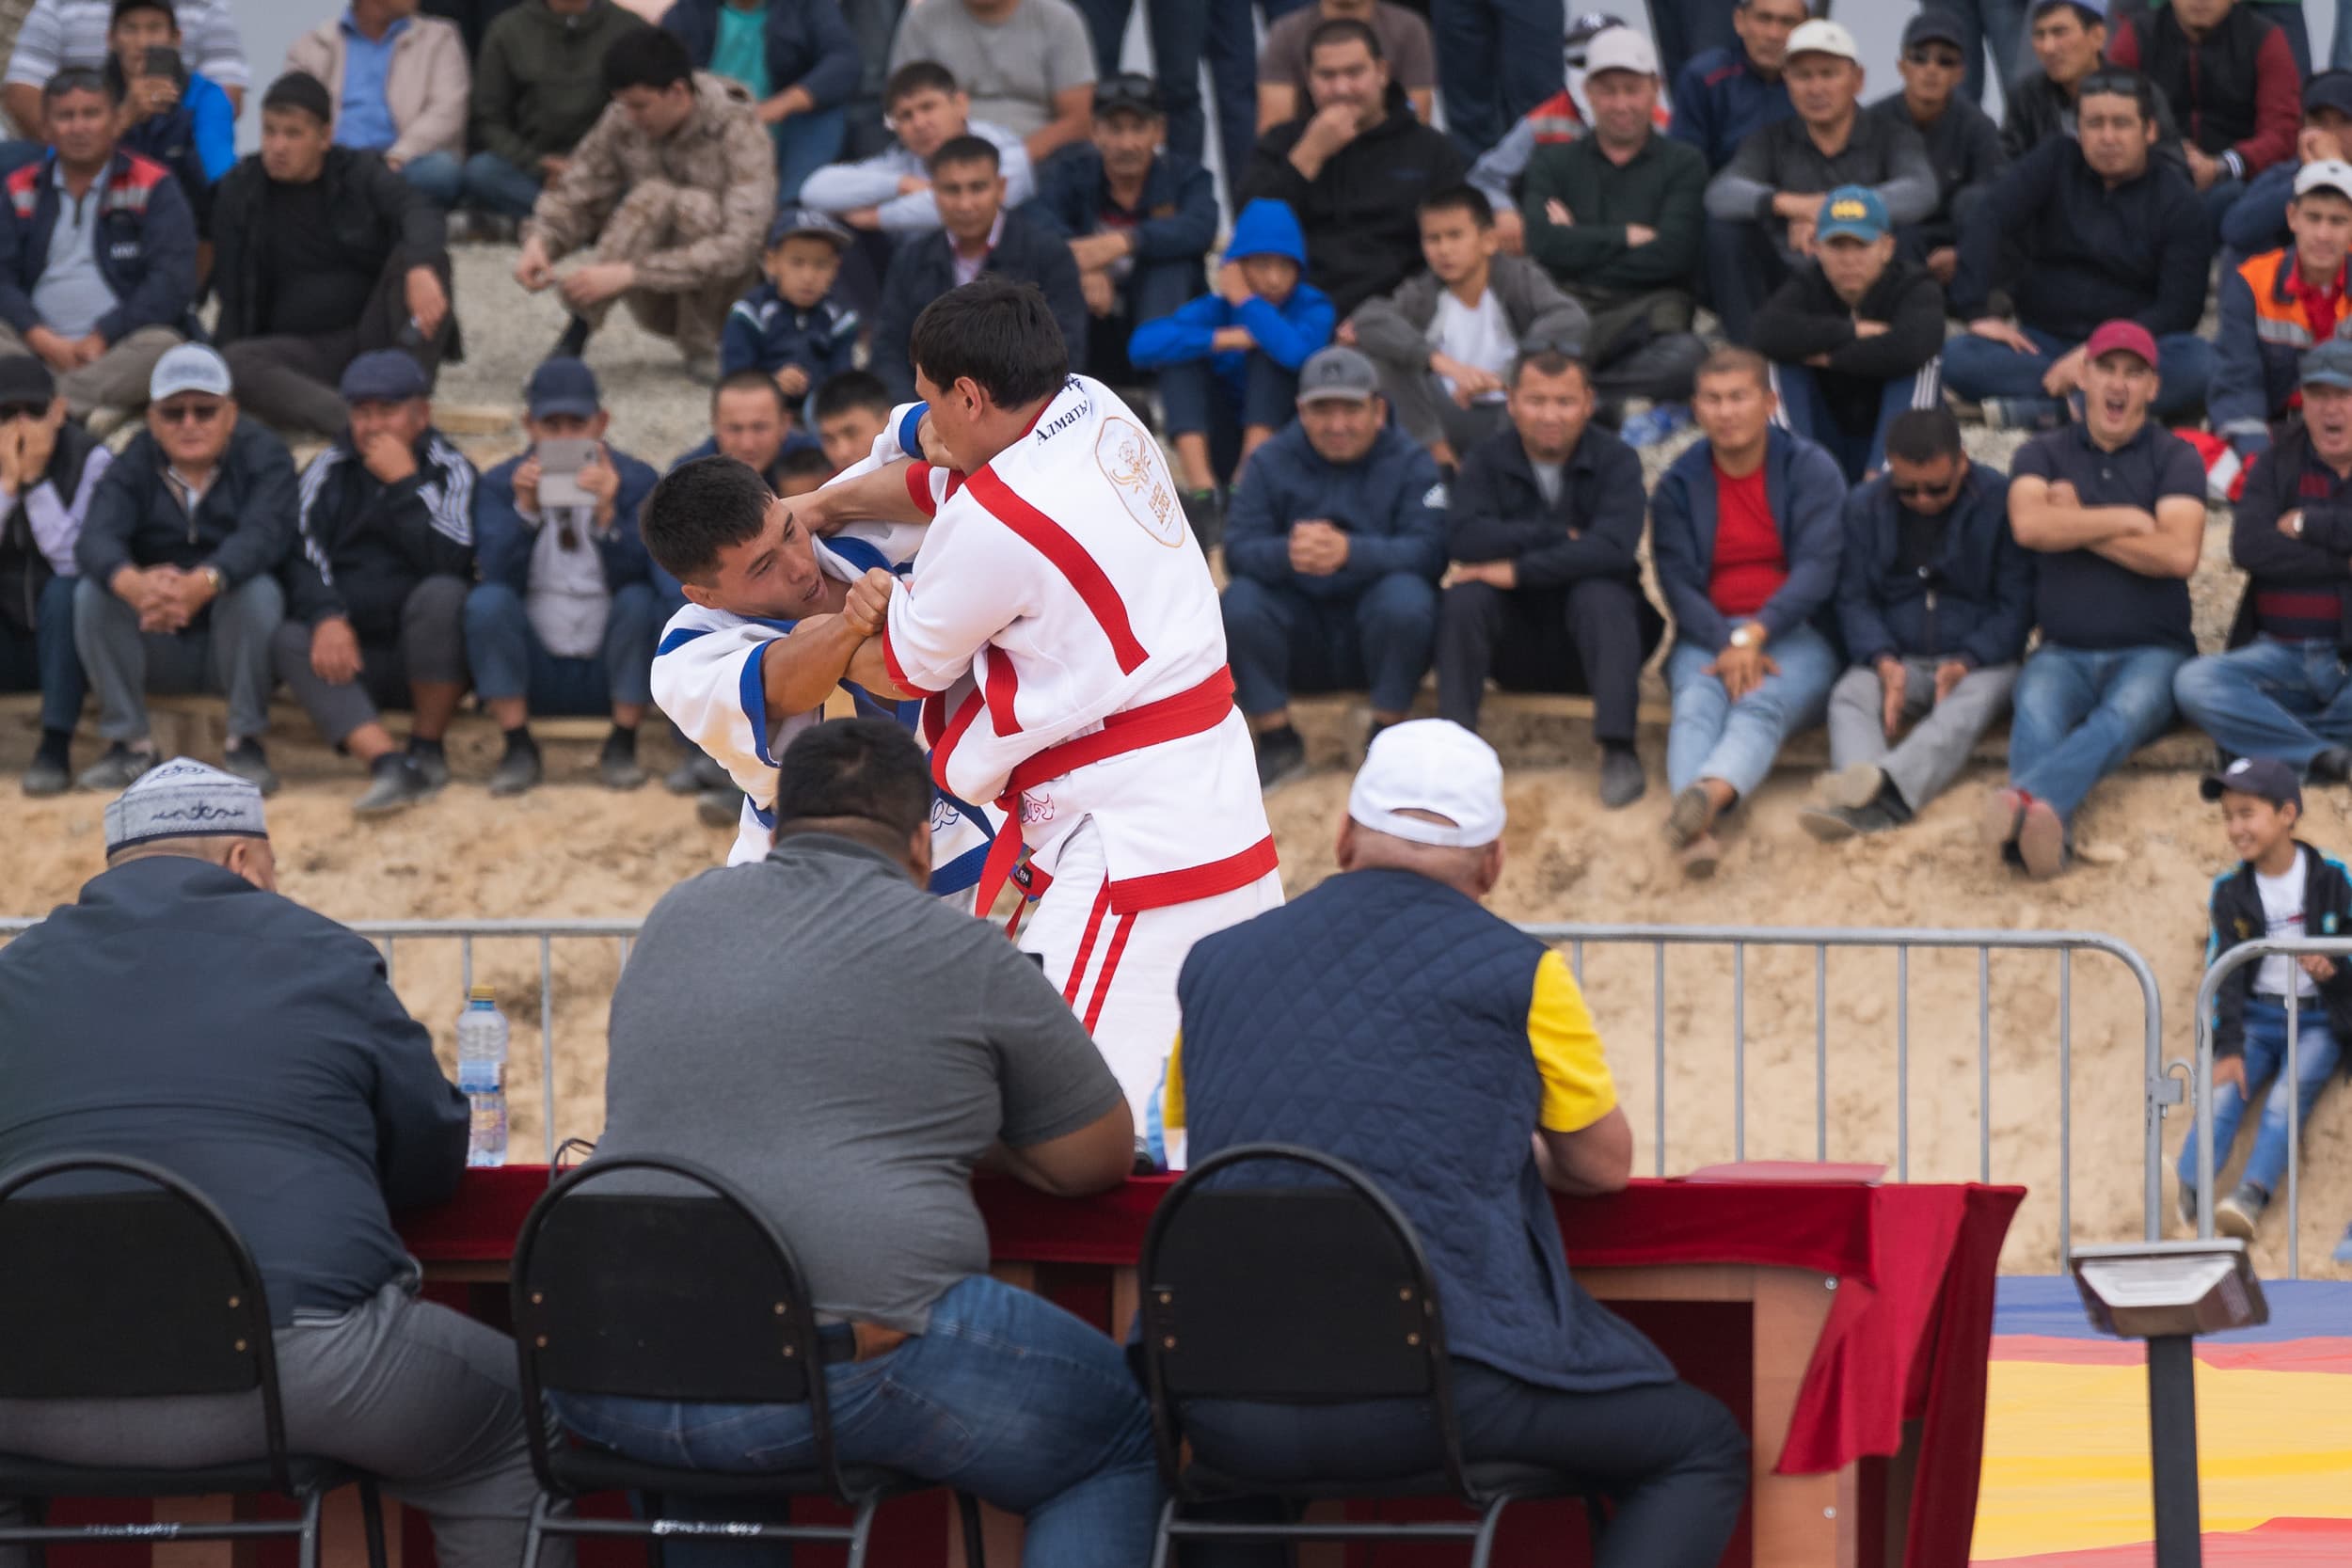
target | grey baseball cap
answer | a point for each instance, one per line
(189, 368)
(1338, 373)
(2328, 365)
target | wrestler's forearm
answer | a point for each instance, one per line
(881, 496)
(797, 672)
(868, 669)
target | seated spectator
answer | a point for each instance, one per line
(1228, 362)
(179, 118)
(1445, 343)
(375, 593)
(973, 1056)
(665, 200)
(1337, 543)
(2079, 231)
(1139, 220)
(802, 470)
(1964, 145)
(2276, 306)
(2115, 509)
(1180, 32)
(397, 83)
(798, 61)
(1545, 590)
(98, 288)
(1724, 96)
(851, 410)
(793, 328)
(1764, 208)
(60, 34)
(2281, 690)
(538, 88)
(1935, 599)
(1501, 171)
(1853, 335)
(1356, 170)
(1618, 218)
(1746, 538)
(1028, 63)
(1285, 72)
(320, 253)
(2070, 42)
(2230, 78)
(179, 562)
(978, 233)
(1472, 1086)
(563, 620)
(2257, 221)
(751, 422)
(49, 472)
(890, 193)
(340, 1117)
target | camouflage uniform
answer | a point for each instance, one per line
(689, 210)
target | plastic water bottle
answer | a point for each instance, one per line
(482, 1075)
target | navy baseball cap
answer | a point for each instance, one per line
(1933, 28)
(2328, 89)
(563, 385)
(2263, 778)
(1854, 213)
(2096, 10)
(807, 220)
(384, 375)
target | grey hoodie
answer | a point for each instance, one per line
(1394, 329)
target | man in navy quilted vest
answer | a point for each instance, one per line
(1387, 1019)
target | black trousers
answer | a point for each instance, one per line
(292, 381)
(1670, 1459)
(1586, 637)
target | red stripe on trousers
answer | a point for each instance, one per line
(1085, 945)
(1110, 967)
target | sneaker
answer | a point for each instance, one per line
(1854, 786)
(433, 765)
(117, 769)
(2241, 1211)
(2333, 765)
(50, 773)
(1204, 513)
(1622, 781)
(697, 774)
(1690, 817)
(398, 784)
(1701, 856)
(1281, 756)
(1661, 423)
(2041, 841)
(521, 768)
(618, 766)
(247, 761)
(719, 808)
(1835, 823)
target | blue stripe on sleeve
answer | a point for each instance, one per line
(679, 638)
(910, 430)
(755, 697)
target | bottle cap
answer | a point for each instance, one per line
(483, 994)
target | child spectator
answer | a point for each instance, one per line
(1229, 361)
(790, 326)
(2281, 888)
(1445, 343)
(851, 410)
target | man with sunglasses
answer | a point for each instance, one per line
(49, 472)
(179, 564)
(1964, 144)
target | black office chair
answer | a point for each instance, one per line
(139, 1293)
(678, 1297)
(1311, 1291)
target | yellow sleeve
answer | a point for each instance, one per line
(1172, 1093)
(1578, 1091)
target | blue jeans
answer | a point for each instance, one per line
(1688, 27)
(805, 144)
(1281, 640)
(1858, 452)
(1179, 31)
(1499, 62)
(2270, 699)
(1978, 368)
(2078, 715)
(1711, 737)
(1231, 51)
(1993, 26)
(438, 175)
(2340, 51)
(509, 660)
(2316, 1055)
(45, 658)
(1196, 402)
(2257, 220)
(491, 185)
(1004, 1395)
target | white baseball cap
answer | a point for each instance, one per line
(189, 368)
(1435, 766)
(2325, 174)
(1821, 36)
(1619, 49)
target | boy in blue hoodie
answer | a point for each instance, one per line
(790, 326)
(1228, 362)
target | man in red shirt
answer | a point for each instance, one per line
(1746, 532)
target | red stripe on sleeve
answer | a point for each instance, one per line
(897, 672)
(919, 488)
(1084, 574)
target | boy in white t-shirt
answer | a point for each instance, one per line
(2281, 888)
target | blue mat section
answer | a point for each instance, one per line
(2300, 1309)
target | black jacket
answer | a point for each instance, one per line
(260, 1055)
(2036, 110)
(2317, 562)
(365, 544)
(1362, 212)
(23, 570)
(378, 216)
(925, 268)
(2237, 917)
(1498, 513)
(1805, 317)
(1974, 604)
(244, 524)
(1964, 150)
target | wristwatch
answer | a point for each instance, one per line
(1746, 637)
(217, 577)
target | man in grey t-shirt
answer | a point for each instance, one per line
(846, 1049)
(1028, 64)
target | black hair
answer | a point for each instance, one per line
(1731, 359)
(1000, 333)
(79, 78)
(862, 768)
(299, 90)
(124, 7)
(2113, 81)
(1343, 29)
(838, 394)
(1460, 199)
(647, 57)
(749, 380)
(1923, 435)
(917, 76)
(966, 149)
(1545, 359)
(699, 509)
(804, 463)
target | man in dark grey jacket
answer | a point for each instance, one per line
(264, 1059)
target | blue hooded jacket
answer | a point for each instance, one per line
(1287, 333)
